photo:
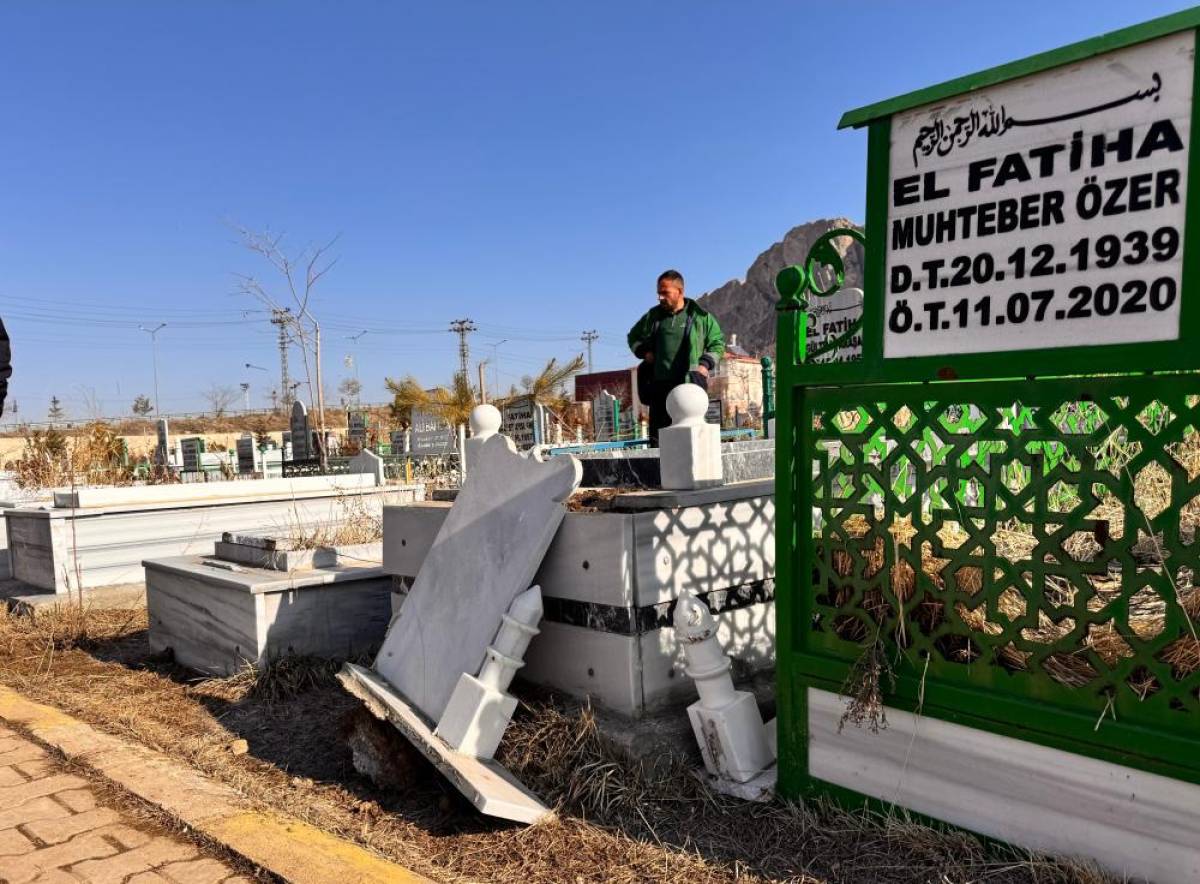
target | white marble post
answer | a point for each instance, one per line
(480, 707)
(726, 722)
(689, 449)
(485, 423)
(462, 452)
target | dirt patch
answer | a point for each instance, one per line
(616, 822)
(593, 500)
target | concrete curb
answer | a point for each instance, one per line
(283, 845)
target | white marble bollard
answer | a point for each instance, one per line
(485, 423)
(726, 722)
(480, 709)
(689, 449)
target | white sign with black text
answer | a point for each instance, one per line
(523, 420)
(830, 319)
(1043, 212)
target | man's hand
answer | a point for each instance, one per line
(702, 369)
(649, 357)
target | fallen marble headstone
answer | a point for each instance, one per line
(487, 552)
(484, 556)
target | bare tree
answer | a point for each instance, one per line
(142, 405)
(89, 402)
(219, 398)
(350, 389)
(300, 273)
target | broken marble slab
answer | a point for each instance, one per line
(282, 554)
(482, 781)
(486, 553)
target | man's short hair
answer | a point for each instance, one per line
(671, 276)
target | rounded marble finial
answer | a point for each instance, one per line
(527, 607)
(687, 404)
(485, 421)
(693, 621)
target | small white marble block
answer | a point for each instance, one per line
(731, 738)
(476, 718)
(726, 722)
(689, 449)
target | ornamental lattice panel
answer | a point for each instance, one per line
(1034, 538)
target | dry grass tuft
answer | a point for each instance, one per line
(280, 680)
(357, 524)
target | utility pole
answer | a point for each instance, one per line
(462, 328)
(482, 386)
(587, 338)
(283, 318)
(354, 358)
(496, 367)
(153, 332)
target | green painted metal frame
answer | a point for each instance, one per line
(1015, 705)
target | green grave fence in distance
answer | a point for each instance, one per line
(995, 522)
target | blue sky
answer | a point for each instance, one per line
(530, 165)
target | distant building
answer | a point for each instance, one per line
(622, 383)
(737, 382)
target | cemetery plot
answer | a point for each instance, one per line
(614, 823)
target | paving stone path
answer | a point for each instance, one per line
(54, 831)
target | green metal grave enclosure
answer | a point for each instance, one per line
(1012, 549)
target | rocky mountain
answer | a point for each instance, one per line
(746, 307)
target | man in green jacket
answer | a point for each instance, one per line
(678, 342)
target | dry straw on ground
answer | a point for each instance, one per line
(617, 821)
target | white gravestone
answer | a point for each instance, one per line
(524, 421)
(604, 416)
(301, 436)
(367, 461)
(830, 319)
(689, 449)
(486, 553)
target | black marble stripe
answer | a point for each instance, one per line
(638, 621)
